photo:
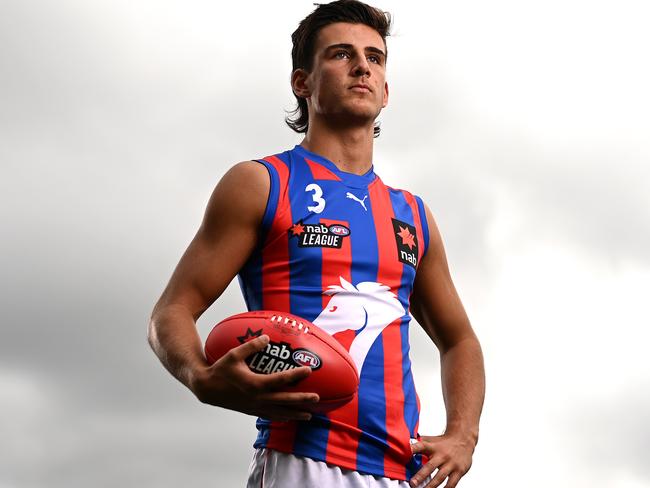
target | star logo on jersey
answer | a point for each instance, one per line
(297, 229)
(250, 335)
(408, 239)
(407, 242)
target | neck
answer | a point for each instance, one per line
(350, 149)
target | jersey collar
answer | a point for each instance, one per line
(350, 179)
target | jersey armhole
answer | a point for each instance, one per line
(272, 200)
(425, 225)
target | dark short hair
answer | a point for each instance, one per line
(304, 39)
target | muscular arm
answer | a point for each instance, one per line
(223, 243)
(436, 306)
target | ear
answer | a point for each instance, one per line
(299, 83)
(385, 102)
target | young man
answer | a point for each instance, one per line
(262, 222)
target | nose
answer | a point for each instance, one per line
(361, 66)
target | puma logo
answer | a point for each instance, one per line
(350, 195)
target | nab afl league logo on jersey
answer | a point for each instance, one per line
(407, 242)
(319, 235)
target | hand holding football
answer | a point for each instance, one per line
(294, 342)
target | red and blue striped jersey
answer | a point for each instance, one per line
(342, 250)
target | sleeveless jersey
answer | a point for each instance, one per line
(341, 250)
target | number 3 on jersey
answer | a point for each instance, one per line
(318, 198)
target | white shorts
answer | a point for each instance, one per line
(273, 469)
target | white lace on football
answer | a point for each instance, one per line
(293, 323)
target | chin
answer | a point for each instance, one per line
(354, 113)
(363, 111)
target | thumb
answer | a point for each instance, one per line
(250, 347)
(417, 447)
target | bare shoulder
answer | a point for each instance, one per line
(223, 242)
(247, 173)
(241, 194)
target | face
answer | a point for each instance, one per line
(348, 77)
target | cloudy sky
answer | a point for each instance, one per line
(524, 125)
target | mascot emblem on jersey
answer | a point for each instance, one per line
(356, 315)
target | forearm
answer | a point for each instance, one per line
(175, 340)
(463, 387)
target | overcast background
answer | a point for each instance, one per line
(524, 125)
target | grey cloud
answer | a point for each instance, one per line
(167, 446)
(595, 198)
(613, 432)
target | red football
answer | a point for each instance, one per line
(294, 342)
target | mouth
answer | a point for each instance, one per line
(360, 87)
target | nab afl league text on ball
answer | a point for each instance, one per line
(294, 342)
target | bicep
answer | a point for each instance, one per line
(224, 241)
(435, 303)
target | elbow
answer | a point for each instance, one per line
(151, 334)
(152, 329)
(467, 341)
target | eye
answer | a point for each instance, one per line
(341, 55)
(374, 59)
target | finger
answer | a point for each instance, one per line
(424, 472)
(288, 398)
(248, 348)
(275, 381)
(418, 447)
(437, 480)
(427, 447)
(453, 480)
